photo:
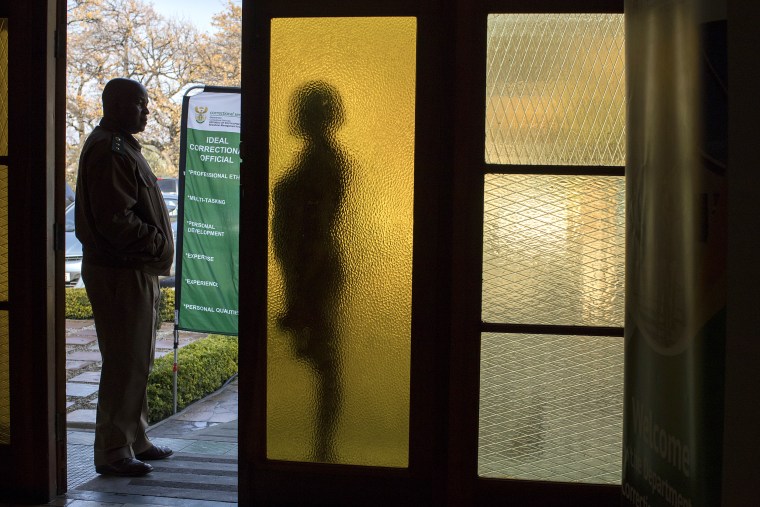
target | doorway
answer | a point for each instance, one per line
(446, 292)
(194, 42)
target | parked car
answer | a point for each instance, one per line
(169, 186)
(69, 195)
(73, 270)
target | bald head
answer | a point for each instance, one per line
(125, 103)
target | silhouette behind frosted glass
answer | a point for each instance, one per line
(306, 207)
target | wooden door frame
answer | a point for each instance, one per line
(29, 466)
(464, 485)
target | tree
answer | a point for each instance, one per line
(220, 51)
(128, 38)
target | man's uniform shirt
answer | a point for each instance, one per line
(121, 217)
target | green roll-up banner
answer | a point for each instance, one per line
(208, 233)
(675, 329)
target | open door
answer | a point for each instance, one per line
(393, 378)
(342, 301)
(32, 381)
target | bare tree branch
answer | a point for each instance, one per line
(128, 38)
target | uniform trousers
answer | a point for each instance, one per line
(125, 308)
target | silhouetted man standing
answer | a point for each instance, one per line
(126, 236)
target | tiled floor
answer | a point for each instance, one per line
(203, 436)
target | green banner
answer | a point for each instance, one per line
(207, 298)
(677, 203)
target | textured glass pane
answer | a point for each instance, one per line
(555, 89)
(551, 408)
(5, 395)
(3, 233)
(553, 250)
(3, 87)
(5, 392)
(341, 181)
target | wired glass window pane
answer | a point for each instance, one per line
(3, 87)
(341, 167)
(551, 408)
(553, 249)
(5, 397)
(555, 89)
(5, 394)
(3, 233)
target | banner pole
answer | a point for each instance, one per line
(176, 358)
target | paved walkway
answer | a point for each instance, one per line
(83, 363)
(203, 436)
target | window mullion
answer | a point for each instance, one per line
(503, 327)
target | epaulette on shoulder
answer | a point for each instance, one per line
(117, 143)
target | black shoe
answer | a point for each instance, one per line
(126, 467)
(155, 452)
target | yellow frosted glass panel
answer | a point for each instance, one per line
(3, 233)
(551, 408)
(340, 265)
(555, 89)
(5, 392)
(3, 86)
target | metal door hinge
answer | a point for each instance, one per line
(57, 44)
(59, 237)
(60, 427)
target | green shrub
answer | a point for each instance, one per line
(78, 305)
(166, 305)
(204, 367)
